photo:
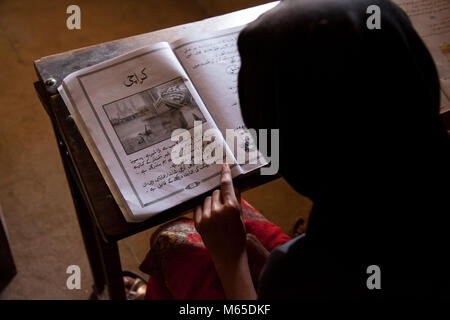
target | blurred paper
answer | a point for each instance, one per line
(431, 19)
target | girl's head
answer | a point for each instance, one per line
(351, 102)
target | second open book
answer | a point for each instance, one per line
(127, 109)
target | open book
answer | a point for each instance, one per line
(127, 109)
(431, 19)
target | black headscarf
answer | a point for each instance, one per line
(360, 134)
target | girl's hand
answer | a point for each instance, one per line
(220, 223)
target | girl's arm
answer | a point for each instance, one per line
(219, 222)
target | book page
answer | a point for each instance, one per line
(126, 110)
(431, 19)
(212, 62)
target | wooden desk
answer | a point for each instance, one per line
(101, 221)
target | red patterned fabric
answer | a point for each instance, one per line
(180, 266)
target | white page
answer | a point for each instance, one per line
(431, 19)
(212, 62)
(124, 109)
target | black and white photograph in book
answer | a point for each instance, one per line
(149, 117)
